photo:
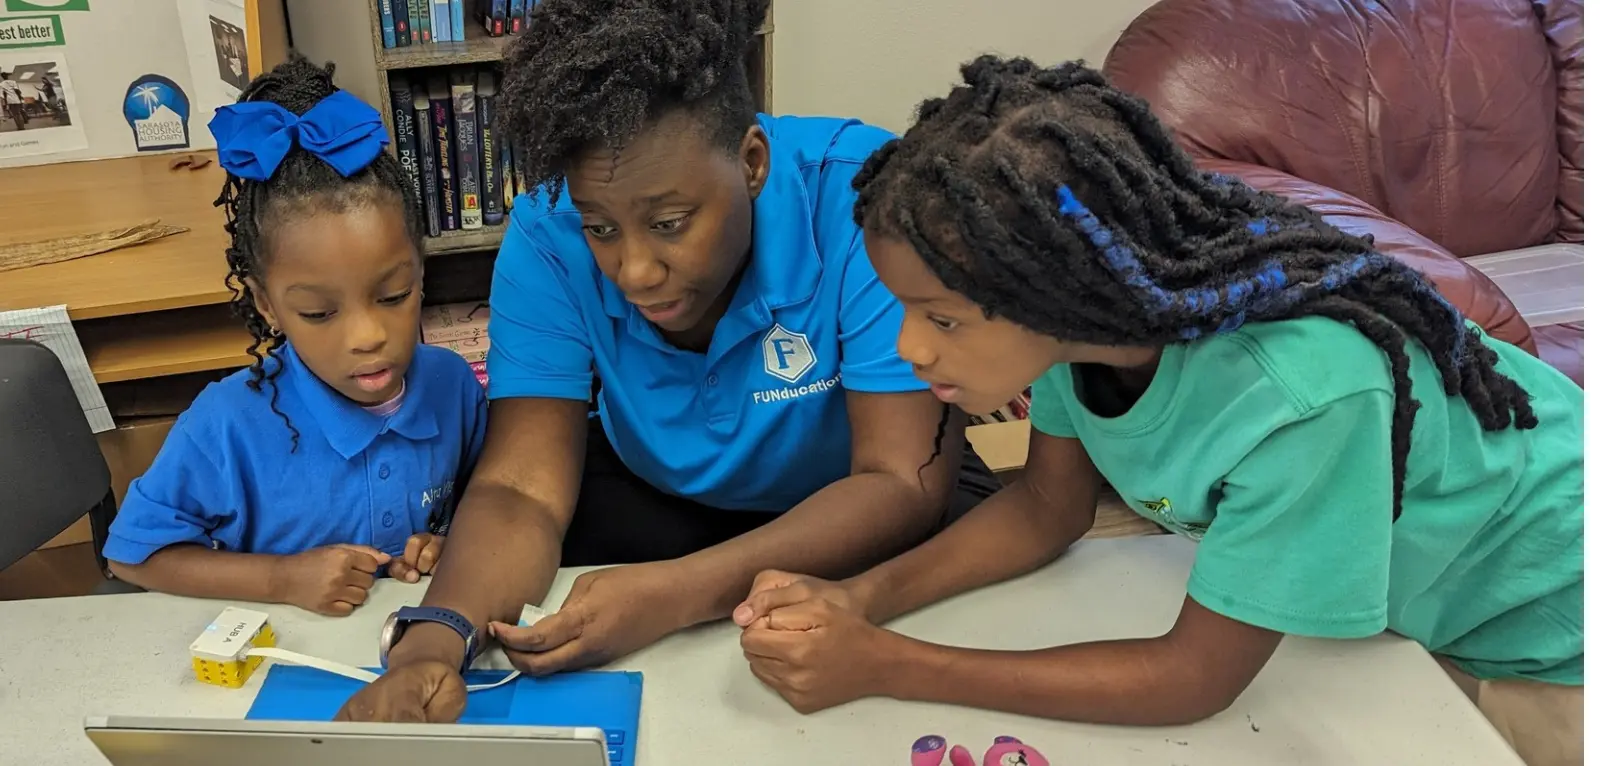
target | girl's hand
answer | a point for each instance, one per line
(331, 580)
(817, 654)
(421, 556)
(773, 589)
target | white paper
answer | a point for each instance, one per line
(50, 327)
(38, 106)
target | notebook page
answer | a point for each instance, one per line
(50, 327)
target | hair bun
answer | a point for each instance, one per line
(296, 85)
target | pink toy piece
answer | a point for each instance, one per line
(928, 751)
(1009, 751)
(959, 756)
(1006, 751)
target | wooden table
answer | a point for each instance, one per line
(1381, 701)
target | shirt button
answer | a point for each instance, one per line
(388, 519)
(711, 380)
(383, 471)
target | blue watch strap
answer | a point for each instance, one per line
(449, 617)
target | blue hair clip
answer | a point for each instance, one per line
(253, 137)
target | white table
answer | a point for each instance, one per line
(1379, 701)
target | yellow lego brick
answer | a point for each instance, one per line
(218, 655)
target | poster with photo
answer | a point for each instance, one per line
(233, 63)
(219, 60)
(38, 106)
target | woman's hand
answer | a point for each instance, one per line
(420, 692)
(817, 652)
(610, 613)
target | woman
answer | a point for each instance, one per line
(702, 262)
(1353, 456)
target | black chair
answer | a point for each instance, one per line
(51, 469)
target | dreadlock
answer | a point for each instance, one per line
(591, 74)
(1028, 185)
(302, 186)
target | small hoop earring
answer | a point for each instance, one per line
(274, 332)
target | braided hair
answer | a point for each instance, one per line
(302, 186)
(1060, 203)
(592, 74)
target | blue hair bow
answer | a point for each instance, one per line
(253, 137)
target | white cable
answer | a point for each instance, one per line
(351, 671)
(530, 615)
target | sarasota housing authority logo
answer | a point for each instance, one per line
(157, 112)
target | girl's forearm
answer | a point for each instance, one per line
(1137, 682)
(1008, 535)
(200, 572)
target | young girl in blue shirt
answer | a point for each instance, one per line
(1352, 455)
(335, 457)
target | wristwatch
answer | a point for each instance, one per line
(395, 626)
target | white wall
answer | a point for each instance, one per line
(877, 59)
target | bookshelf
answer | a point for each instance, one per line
(349, 33)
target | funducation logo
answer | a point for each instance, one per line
(157, 112)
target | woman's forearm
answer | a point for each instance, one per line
(843, 529)
(1137, 682)
(201, 572)
(503, 553)
(1012, 533)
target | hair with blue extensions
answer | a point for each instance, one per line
(302, 186)
(1062, 204)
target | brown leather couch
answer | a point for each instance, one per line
(1444, 128)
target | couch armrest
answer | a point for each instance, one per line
(1473, 293)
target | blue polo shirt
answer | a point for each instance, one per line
(226, 477)
(757, 422)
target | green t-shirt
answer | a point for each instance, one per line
(1271, 446)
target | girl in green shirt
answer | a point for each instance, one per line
(1351, 454)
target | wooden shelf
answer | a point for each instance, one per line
(164, 343)
(478, 48)
(464, 241)
(173, 272)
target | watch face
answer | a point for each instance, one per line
(386, 638)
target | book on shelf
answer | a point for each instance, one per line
(443, 138)
(405, 138)
(469, 156)
(463, 328)
(494, 212)
(458, 19)
(402, 22)
(427, 158)
(516, 15)
(494, 16)
(442, 33)
(386, 22)
(464, 321)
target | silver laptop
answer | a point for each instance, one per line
(135, 741)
